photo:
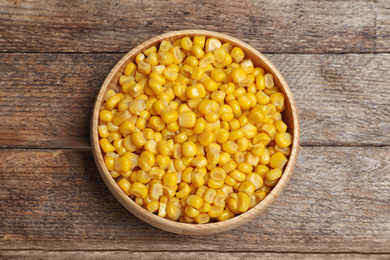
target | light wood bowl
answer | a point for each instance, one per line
(290, 116)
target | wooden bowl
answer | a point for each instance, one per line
(290, 116)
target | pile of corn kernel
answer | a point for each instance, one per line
(196, 132)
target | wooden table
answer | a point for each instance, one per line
(55, 56)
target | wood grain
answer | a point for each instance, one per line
(118, 255)
(280, 26)
(46, 99)
(336, 201)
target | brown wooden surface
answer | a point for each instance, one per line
(56, 54)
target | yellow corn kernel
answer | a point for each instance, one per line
(218, 75)
(269, 129)
(195, 201)
(122, 164)
(277, 99)
(230, 181)
(281, 126)
(165, 45)
(209, 194)
(236, 134)
(127, 85)
(268, 80)
(245, 102)
(211, 117)
(139, 190)
(230, 166)
(237, 175)
(261, 138)
(124, 104)
(206, 60)
(274, 174)
(130, 69)
(170, 179)
(187, 119)
(197, 51)
(191, 211)
(218, 174)
(125, 186)
(192, 61)
(259, 196)
(189, 149)
(283, 140)
(121, 117)
(258, 149)
(199, 40)
(106, 146)
(152, 59)
(165, 58)
(103, 131)
(162, 210)
(235, 106)
(245, 168)
(213, 155)
(143, 176)
(140, 123)
(224, 158)
(140, 57)
(156, 123)
(215, 211)
(184, 190)
(114, 136)
(242, 202)
(243, 144)
(169, 115)
(137, 106)
(237, 54)
(215, 184)
(239, 157)
(286, 151)
(219, 198)
(199, 126)
(173, 211)
(197, 179)
(105, 115)
(206, 137)
(157, 76)
(144, 67)
(262, 170)
(230, 147)
(153, 206)
(258, 71)
(162, 161)
(152, 49)
(180, 138)
(265, 157)
(220, 54)
(247, 187)
(205, 208)
(278, 160)
(233, 204)
(186, 43)
(238, 75)
(138, 139)
(110, 162)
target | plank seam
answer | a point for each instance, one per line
(196, 251)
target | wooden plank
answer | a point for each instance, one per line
(46, 99)
(281, 26)
(118, 255)
(337, 201)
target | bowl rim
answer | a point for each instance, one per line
(191, 228)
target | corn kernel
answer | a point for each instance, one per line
(283, 140)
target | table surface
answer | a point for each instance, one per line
(55, 56)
